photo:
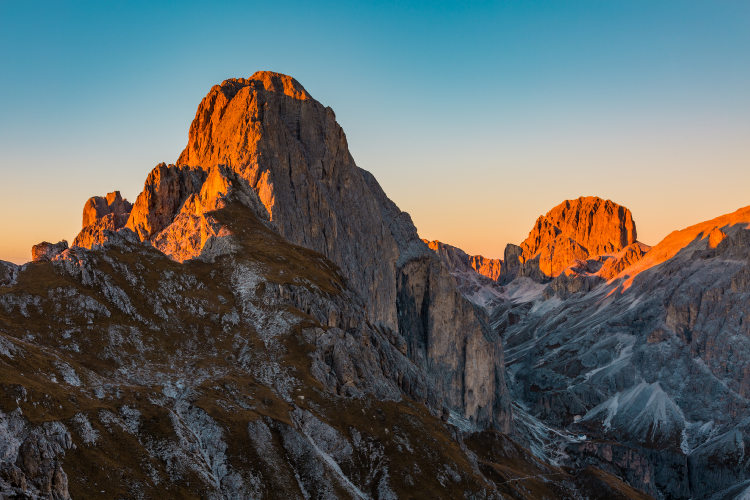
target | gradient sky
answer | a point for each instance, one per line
(476, 117)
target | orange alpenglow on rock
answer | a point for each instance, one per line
(240, 130)
(585, 236)
(102, 214)
(47, 251)
(711, 234)
(575, 230)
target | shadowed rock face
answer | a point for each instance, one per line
(469, 368)
(456, 259)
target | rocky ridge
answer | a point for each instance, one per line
(102, 214)
(637, 362)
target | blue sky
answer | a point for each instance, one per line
(476, 117)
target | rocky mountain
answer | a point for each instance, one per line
(636, 361)
(574, 231)
(262, 322)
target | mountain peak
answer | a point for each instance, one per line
(234, 117)
(268, 81)
(600, 226)
(576, 229)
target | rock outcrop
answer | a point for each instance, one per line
(574, 230)
(577, 246)
(164, 193)
(47, 251)
(102, 214)
(458, 260)
(8, 273)
(98, 207)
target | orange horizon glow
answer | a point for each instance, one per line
(474, 118)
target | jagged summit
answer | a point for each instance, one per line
(578, 229)
(600, 226)
(269, 81)
(459, 259)
(562, 241)
(234, 115)
(575, 230)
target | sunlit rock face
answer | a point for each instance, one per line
(99, 206)
(164, 192)
(101, 215)
(575, 230)
(47, 251)
(294, 155)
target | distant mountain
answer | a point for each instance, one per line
(630, 358)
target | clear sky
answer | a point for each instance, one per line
(476, 117)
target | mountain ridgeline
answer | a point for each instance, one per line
(630, 358)
(263, 322)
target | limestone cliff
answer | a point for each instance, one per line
(102, 214)
(575, 230)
